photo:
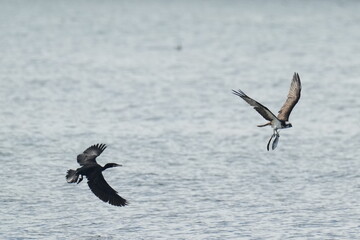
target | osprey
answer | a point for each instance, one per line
(281, 121)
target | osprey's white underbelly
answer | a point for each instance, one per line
(276, 124)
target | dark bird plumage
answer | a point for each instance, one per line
(280, 121)
(93, 172)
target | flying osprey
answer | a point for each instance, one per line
(281, 121)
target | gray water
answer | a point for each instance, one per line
(153, 80)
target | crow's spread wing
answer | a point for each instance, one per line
(90, 154)
(102, 190)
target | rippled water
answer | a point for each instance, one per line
(153, 80)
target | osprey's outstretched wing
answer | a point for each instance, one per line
(292, 98)
(264, 111)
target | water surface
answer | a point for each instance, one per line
(153, 80)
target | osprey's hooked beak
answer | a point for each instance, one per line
(288, 125)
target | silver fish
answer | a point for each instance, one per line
(275, 142)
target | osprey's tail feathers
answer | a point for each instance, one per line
(264, 125)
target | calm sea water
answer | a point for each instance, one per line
(153, 80)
